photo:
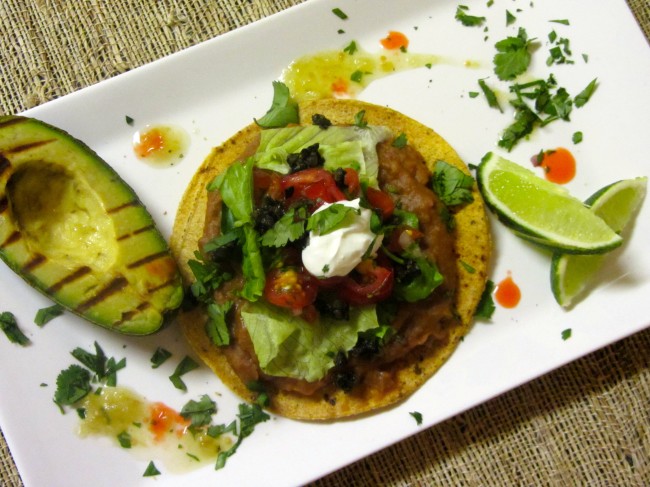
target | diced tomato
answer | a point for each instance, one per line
(380, 200)
(351, 181)
(267, 183)
(314, 184)
(375, 284)
(290, 287)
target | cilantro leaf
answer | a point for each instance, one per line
(331, 218)
(290, 227)
(72, 385)
(486, 306)
(9, 327)
(351, 48)
(283, 111)
(208, 277)
(339, 13)
(583, 97)
(566, 334)
(199, 412)
(359, 119)
(124, 438)
(216, 326)
(523, 125)
(44, 315)
(417, 416)
(159, 357)
(577, 137)
(513, 56)
(186, 365)
(95, 362)
(451, 184)
(490, 96)
(468, 20)
(400, 141)
(249, 416)
(151, 470)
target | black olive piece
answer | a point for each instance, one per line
(307, 158)
(407, 271)
(321, 120)
(265, 215)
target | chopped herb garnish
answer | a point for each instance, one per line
(473, 94)
(44, 315)
(81, 412)
(331, 218)
(486, 307)
(151, 470)
(186, 365)
(95, 362)
(468, 20)
(513, 56)
(351, 48)
(249, 416)
(129, 120)
(124, 438)
(417, 416)
(199, 412)
(566, 334)
(290, 227)
(560, 21)
(510, 18)
(467, 267)
(400, 141)
(9, 327)
(339, 13)
(583, 97)
(283, 111)
(72, 385)
(326, 268)
(577, 137)
(357, 76)
(585, 57)
(193, 457)
(359, 119)
(451, 184)
(216, 326)
(159, 357)
(490, 96)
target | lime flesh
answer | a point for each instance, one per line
(540, 211)
(616, 204)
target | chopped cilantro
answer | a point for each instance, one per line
(486, 306)
(124, 438)
(351, 48)
(159, 357)
(583, 97)
(208, 276)
(290, 227)
(186, 365)
(400, 141)
(357, 76)
(326, 268)
(566, 334)
(283, 111)
(585, 57)
(417, 416)
(513, 56)
(560, 21)
(151, 470)
(490, 96)
(510, 18)
(331, 218)
(473, 94)
(451, 184)
(467, 267)
(249, 416)
(468, 20)
(129, 120)
(339, 13)
(359, 119)
(9, 327)
(577, 137)
(105, 369)
(199, 412)
(72, 385)
(44, 315)
(216, 326)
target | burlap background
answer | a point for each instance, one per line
(585, 424)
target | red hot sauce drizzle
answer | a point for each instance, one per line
(507, 293)
(559, 165)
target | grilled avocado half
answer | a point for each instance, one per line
(74, 230)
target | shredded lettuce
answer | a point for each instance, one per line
(287, 346)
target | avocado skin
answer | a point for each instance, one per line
(74, 230)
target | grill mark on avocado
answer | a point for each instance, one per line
(124, 206)
(11, 239)
(169, 282)
(147, 259)
(30, 146)
(128, 315)
(13, 121)
(73, 276)
(135, 232)
(36, 261)
(4, 204)
(113, 287)
(4, 164)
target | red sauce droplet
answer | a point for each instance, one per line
(559, 165)
(166, 420)
(340, 87)
(507, 293)
(149, 142)
(395, 40)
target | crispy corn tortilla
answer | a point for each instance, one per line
(473, 247)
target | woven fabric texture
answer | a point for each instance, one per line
(587, 423)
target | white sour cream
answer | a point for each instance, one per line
(338, 252)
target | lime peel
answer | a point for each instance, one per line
(540, 211)
(617, 204)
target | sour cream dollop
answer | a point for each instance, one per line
(338, 252)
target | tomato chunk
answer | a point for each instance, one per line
(290, 287)
(375, 284)
(380, 200)
(314, 184)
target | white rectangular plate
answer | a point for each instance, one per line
(216, 88)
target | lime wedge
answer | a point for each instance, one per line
(540, 211)
(616, 204)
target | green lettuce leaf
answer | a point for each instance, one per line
(287, 346)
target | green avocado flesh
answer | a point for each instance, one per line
(73, 229)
